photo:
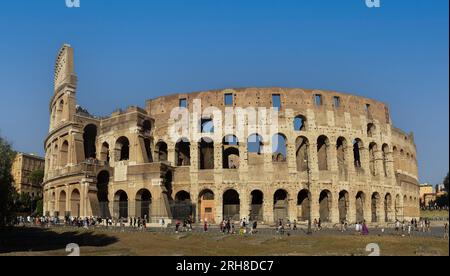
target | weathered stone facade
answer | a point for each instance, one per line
(343, 159)
(23, 165)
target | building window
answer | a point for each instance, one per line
(207, 125)
(337, 102)
(318, 100)
(276, 101)
(228, 99)
(183, 103)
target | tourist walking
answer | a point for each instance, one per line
(365, 229)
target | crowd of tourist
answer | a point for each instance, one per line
(227, 226)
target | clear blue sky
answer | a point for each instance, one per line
(133, 50)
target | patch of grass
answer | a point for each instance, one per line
(158, 244)
(434, 214)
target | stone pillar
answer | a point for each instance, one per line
(218, 156)
(368, 207)
(292, 206)
(84, 188)
(219, 207)
(332, 157)
(171, 154)
(244, 209)
(268, 209)
(351, 213)
(243, 157)
(314, 203)
(291, 157)
(365, 160)
(334, 207)
(379, 166)
(194, 157)
(380, 210)
(313, 162)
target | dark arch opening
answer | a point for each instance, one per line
(257, 200)
(143, 204)
(121, 204)
(231, 205)
(325, 206)
(89, 139)
(206, 206)
(102, 193)
(280, 206)
(183, 152)
(123, 148)
(161, 151)
(300, 123)
(303, 204)
(206, 154)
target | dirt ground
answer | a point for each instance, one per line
(46, 242)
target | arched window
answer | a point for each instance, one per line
(104, 154)
(146, 126)
(89, 138)
(357, 146)
(161, 151)
(255, 143)
(302, 146)
(279, 148)
(183, 152)
(123, 149)
(230, 152)
(373, 148)
(64, 154)
(207, 125)
(300, 123)
(371, 130)
(322, 152)
(206, 154)
(59, 112)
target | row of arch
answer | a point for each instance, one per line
(404, 161)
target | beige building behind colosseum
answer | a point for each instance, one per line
(23, 165)
(339, 158)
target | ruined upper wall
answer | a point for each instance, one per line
(298, 100)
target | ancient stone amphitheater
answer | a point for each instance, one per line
(334, 156)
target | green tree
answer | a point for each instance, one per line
(39, 208)
(37, 177)
(6, 187)
(446, 182)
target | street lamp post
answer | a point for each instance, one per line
(308, 171)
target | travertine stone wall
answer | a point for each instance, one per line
(385, 177)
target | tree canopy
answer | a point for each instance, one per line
(6, 187)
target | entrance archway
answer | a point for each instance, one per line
(206, 206)
(343, 205)
(360, 201)
(143, 204)
(231, 205)
(75, 203)
(121, 204)
(303, 205)
(280, 206)
(102, 194)
(325, 206)
(256, 207)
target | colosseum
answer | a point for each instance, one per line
(333, 157)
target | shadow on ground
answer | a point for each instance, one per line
(41, 239)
